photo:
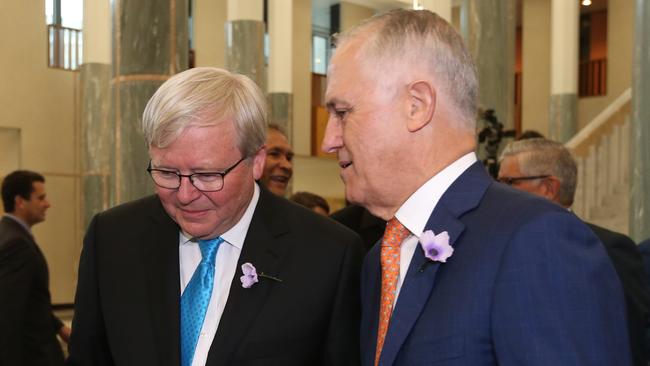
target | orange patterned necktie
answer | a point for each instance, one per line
(390, 248)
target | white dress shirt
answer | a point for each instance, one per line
(226, 268)
(417, 209)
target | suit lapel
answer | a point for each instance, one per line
(463, 195)
(161, 267)
(371, 292)
(265, 251)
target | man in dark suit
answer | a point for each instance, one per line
(262, 281)
(28, 328)
(370, 228)
(469, 272)
(547, 169)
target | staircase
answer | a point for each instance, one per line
(602, 153)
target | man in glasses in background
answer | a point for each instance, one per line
(547, 169)
(215, 269)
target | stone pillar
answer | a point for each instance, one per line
(149, 45)
(440, 7)
(489, 30)
(97, 128)
(564, 69)
(640, 154)
(245, 39)
(280, 76)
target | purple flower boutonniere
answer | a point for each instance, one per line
(436, 247)
(251, 276)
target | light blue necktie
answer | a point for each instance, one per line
(195, 299)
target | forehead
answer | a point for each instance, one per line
(38, 188)
(509, 166)
(275, 138)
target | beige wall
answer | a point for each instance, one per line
(209, 32)
(536, 71)
(353, 14)
(620, 42)
(41, 103)
(301, 77)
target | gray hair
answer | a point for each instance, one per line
(421, 37)
(539, 156)
(183, 100)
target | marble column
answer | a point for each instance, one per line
(150, 43)
(488, 27)
(245, 39)
(97, 129)
(564, 70)
(640, 154)
(440, 7)
(280, 75)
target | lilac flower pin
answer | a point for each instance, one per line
(250, 275)
(436, 247)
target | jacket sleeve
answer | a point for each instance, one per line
(343, 335)
(16, 272)
(557, 299)
(88, 343)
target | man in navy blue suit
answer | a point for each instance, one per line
(481, 274)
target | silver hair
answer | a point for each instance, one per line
(186, 98)
(417, 38)
(539, 156)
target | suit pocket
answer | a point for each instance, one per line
(427, 351)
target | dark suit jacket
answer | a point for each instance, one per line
(128, 295)
(628, 262)
(27, 326)
(528, 284)
(370, 228)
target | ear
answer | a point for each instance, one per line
(259, 160)
(551, 188)
(421, 104)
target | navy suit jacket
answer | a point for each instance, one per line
(528, 284)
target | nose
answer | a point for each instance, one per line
(47, 204)
(333, 139)
(187, 192)
(286, 164)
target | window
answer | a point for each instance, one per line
(64, 19)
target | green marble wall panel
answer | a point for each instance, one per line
(281, 112)
(245, 49)
(640, 154)
(131, 155)
(488, 28)
(97, 138)
(141, 39)
(562, 116)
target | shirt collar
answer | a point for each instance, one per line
(236, 235)
(20, 221)
(415, 212)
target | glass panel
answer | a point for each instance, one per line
(319, 57)
(49, 11)
(72, 12)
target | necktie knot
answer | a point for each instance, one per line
(209, 248)
(394, 234)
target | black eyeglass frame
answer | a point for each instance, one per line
(512, 180)
(192, 176)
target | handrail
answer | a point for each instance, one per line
(600, 120)
(64, 47)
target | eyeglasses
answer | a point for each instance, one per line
(204, 182)
(512, 180)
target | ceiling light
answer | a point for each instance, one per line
(586, 2)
